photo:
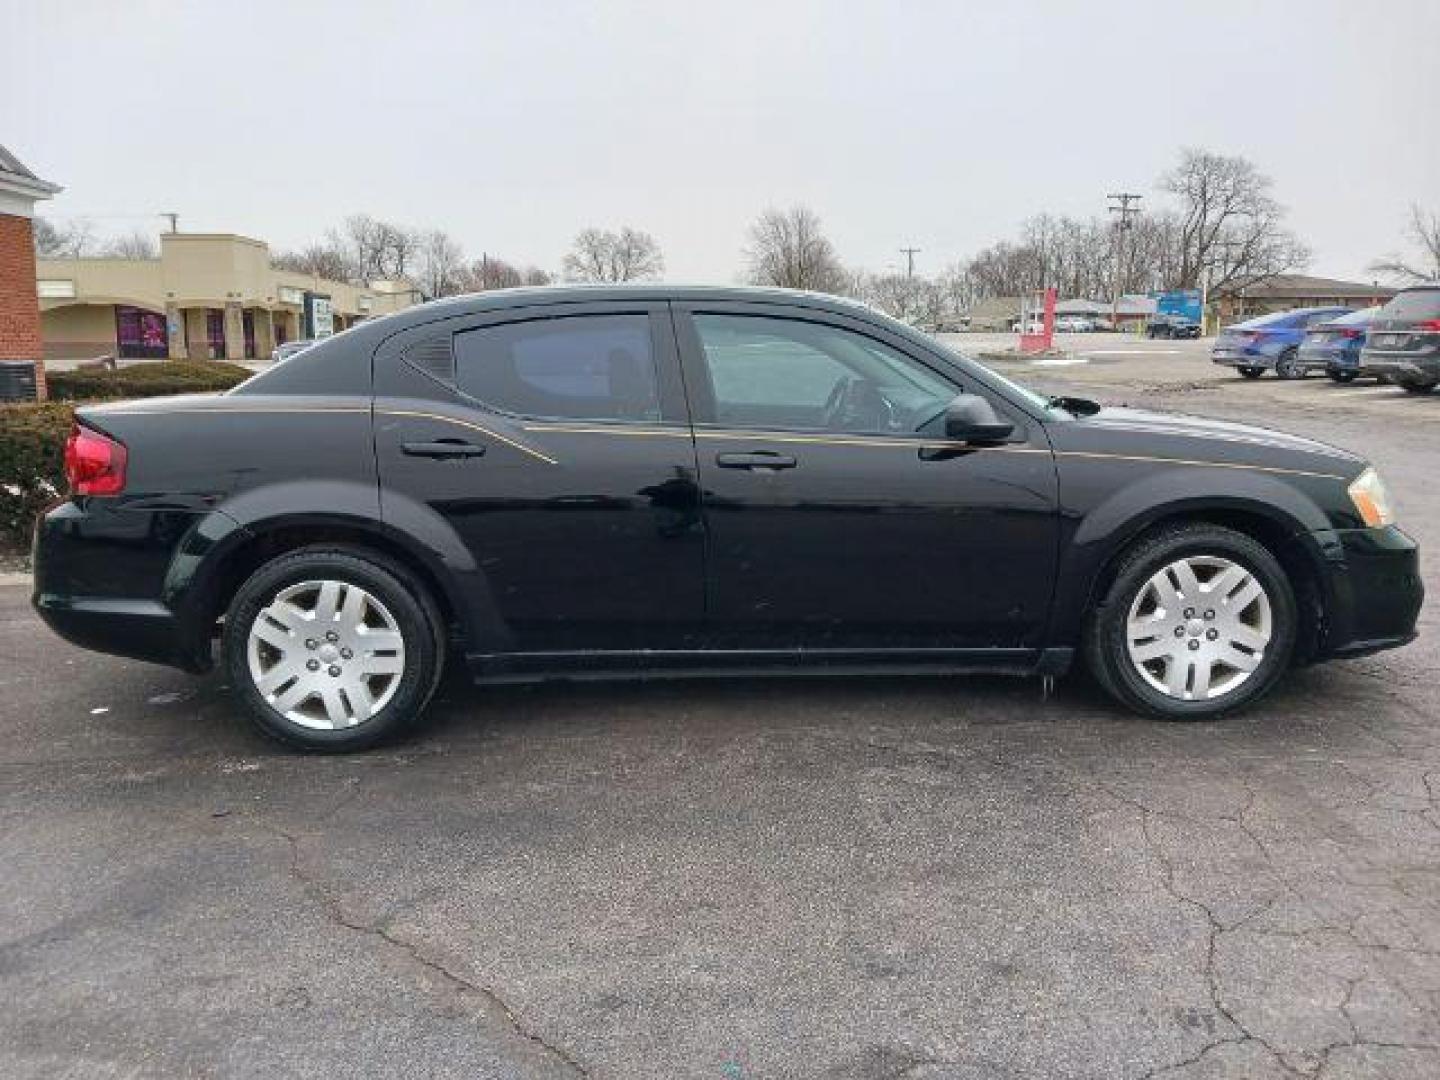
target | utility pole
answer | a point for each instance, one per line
(174, 220)
(1127, 205)
(909, 254)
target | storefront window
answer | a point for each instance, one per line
(215, 333)
(140, 334)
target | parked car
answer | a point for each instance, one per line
(591, 482)
(1403, 342)
(289, 349)
(1270, 341)
(1033, 325)
(1074, 324)
(1334, 347)
(1171, 326)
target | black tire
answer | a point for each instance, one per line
(407, 599)
(1342, 376)
(1285, 365)
(1416, 386)
(1251, 372)
(1105, 645)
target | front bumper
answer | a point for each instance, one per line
(1373, 591)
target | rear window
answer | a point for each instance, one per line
(1414, 304)
(1356, 318)
(1278, 318)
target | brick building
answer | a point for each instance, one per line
(20, 190)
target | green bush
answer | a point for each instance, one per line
(32, 466)
(155, 379)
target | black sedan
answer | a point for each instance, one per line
(590, 483)
(1172, 326)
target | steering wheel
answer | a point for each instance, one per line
(856, 404)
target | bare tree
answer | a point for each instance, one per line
(440, 265)
(1423, 231)
(72, 241)
(491, 272)
(322, 260)
(136, 244)
(1231, 230)
(599, 255)
(789, 250)
(533, 275)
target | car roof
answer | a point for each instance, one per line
(500, 299)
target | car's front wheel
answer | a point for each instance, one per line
(1251, 372)
(1417, 386)
(333, 649)
(1198, 621)
(1342, 376)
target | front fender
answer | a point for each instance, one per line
(1098, 533)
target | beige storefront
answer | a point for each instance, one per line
(208, 296)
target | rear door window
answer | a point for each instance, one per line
(581, 367)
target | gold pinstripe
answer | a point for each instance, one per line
(753, 436)
(472, 426)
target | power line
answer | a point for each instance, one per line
(909, 254)
(1127, 205)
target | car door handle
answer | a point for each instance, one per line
(758, 459)
(443, 448)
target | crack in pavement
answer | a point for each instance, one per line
(461, 986)
(1214, 928)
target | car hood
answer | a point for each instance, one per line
(1172, 434)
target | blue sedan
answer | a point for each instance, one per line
(1270, 341)
(1334, 347)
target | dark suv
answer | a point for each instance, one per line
(588, 483)
(1172, 326)
(1403, 342)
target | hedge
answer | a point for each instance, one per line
(154, 379)
(32, 466)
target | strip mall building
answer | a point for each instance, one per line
(209, 296)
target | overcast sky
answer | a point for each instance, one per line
(513, 125)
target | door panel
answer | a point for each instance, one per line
(865, 528)
(586, 533)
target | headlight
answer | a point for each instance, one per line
(1371, 499)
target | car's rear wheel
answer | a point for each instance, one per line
(1342, 376)
(1251, 372)
(1417, 386)
(333, 649)
(1287, 365)
(1199, 620)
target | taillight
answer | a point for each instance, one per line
(94, 463)
(1428, 324)
(1246, 335)
(1350, 332)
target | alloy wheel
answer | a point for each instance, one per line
(326, 654)
(1198, 628)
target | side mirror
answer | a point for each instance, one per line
(970, 418)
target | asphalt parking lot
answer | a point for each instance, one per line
(944, 878)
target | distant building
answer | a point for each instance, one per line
(20, 343)
(1286, 291)
(209, 296)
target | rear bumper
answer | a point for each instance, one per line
(1414, 364)
(138, 629)
(105, 580)
(1238, 358)
(1373, 591)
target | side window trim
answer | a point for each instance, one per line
(392, 353)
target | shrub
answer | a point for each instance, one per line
(32, 466)
(154, 379)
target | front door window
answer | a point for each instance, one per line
(792, 374)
